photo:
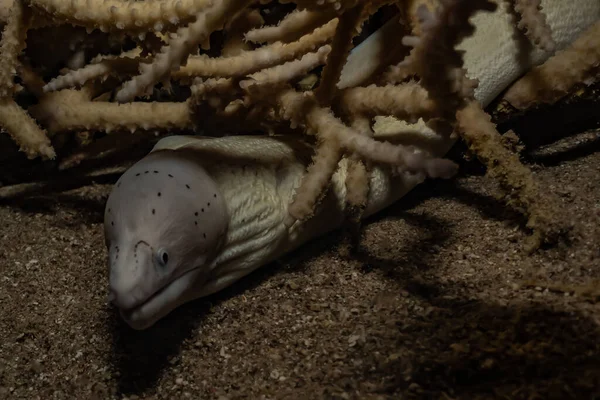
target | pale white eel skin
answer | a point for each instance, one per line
(197, 214)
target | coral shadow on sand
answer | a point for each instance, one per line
(495, 351)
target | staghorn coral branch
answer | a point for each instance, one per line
(72, 110)
(316, 180)
(291, 28)
(266, 80)
(201, 66)
(552, 80)
(357, 187)
(5, 6)
(407, 101)
(255, 60)
(216, 93)
(111, 15)
(434, 56)
(234, 42)
(357, 180)
(342, 43)
(516, 179)
(216, 102)
(99, 68)
(172, 56)
(12, 44)
(31, 79)
(32, 140)
(533, 23)
(212, 86)
(371, 60)
(303, 109)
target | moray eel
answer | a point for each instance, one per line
(197, 214)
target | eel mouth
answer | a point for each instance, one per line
(149, 309)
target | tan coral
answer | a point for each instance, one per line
(552, 80)
(171, 57)
(291, 28)
(102, 67)
(349, 24)
(533, 22)
(122, 15)
(5, 6)
(235, 42)
(32, 140)
(72, 110)
(263, 57)
(303, 109)
(252, 80)
(12, 44)
(520, 186)
(408, 101)
(267, 79)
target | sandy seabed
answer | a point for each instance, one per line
(441, 302)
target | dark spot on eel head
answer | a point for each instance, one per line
(146, 172)
(112, 223)
(170, 176)
(202, 210)
(138, 174)
(156, 172)
(187, 186)
(196, 213)
(158, 194)
(153, 211)
(195, 222)
(204, 235)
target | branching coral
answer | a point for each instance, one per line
(15, 120)
(197, 65)
(552, 80)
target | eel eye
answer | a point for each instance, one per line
(163, 257)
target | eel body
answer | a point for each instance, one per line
(199, 213)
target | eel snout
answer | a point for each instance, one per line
(133, 277)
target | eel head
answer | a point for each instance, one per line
(164, 224)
